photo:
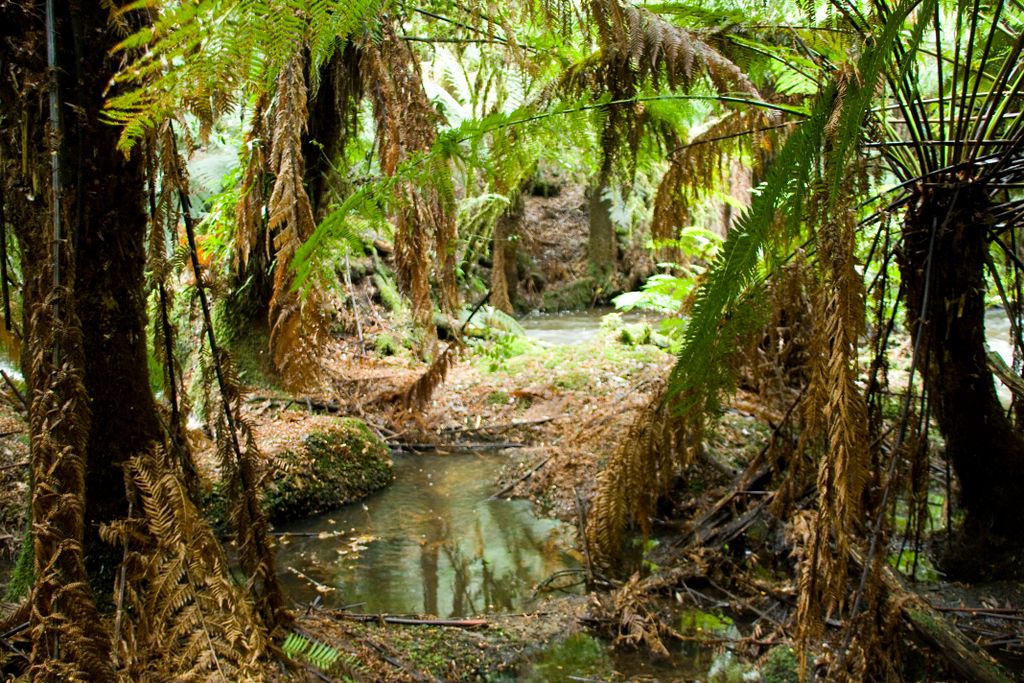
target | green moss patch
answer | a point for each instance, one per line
(574, 296)
(578, 657)
(337, 464)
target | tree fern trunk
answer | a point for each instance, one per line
(947, 298)
(602, 247)
(104, 228)
(504, 273)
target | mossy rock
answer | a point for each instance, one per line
(338, 464)
(574, 296)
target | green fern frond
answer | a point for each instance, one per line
(321, 655)
(205, 55)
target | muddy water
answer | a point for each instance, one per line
(432, 542)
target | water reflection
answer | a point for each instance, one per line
(431, 542)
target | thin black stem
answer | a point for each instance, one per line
(633, 100)
(56, 143)
(165, 322)
(730, 136)
(3, 266)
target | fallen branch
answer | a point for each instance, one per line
(500, 427)
(963, 655)
(529, 473)
(1008, 613)
(14, 388)
(410, 621)
(712, 522)
(457, 447)
(311, 405)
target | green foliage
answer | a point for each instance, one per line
(388, 291)
(781, 666)
(497, 398)
(385, 345)
(579, 656)
(345, 230)
(323, 656)
(476, 218)
(318, 654)
(665, 293)
(639, 333)
(211, 56)
(495, 336)
(23, 574)
(704, 624)
(916, 565)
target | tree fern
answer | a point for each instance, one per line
(183, 615)
(212, 55)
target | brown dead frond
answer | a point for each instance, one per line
(162, 226)
(297, 329)
(638, 623)
(250, 223)
(68, 642)
(640, 469)
(638, 47)
(425, 223)
(417, 395)
(654, 49)
(703, 164)
(835, 423)
(240, 459)
(181, 617)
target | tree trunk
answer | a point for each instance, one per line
(985, 448)
(602, 246)
(110, 301)
(104, 225)
(504, 270)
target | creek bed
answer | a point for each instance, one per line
(432, 542)
(576, 327)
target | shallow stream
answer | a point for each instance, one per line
(572, 328)
(436, 542)
(433, 541)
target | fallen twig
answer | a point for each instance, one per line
(410, 621)
(311, 405)
(529, 473)
(1008, 613)
(13, 387)
(457, 447)
(581, 520)
(505, 426)
(545, 585)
